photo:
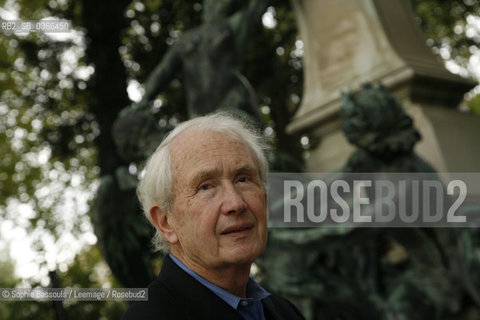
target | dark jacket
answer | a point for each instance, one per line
(175, 295)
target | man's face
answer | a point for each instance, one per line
(219, 203)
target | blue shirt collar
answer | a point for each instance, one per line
(255, 293)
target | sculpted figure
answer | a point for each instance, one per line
(123, 236)
(206, 58)
(345, 272)
(383, 133)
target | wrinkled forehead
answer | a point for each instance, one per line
(197, 145)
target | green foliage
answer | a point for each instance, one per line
(46, 136)
(474, 104)
(452, 30)
(90, 271)
(17, 310)
(450, 27)
(87, 271)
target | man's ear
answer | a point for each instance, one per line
(162, 221)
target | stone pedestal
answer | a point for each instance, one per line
(350, 42)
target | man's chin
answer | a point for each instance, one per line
(244, 255)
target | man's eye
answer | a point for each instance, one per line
(205, 186)
(242, 179)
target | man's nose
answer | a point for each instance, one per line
(232, 200)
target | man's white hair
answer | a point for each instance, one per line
(156, 187)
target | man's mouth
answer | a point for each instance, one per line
(237, 229)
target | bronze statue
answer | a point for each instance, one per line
(345, 272)
(122, 232)
(206, 56)
(383, 133)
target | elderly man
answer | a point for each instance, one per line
(204, 191)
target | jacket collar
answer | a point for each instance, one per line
(199, 301)
(202, 304)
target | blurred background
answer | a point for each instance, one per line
(60, 94)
